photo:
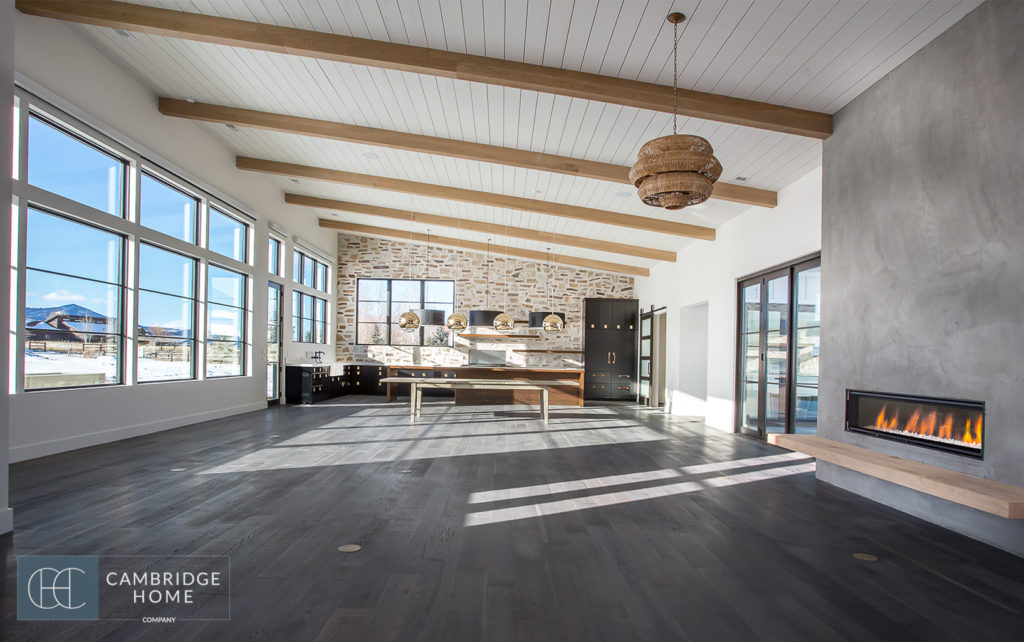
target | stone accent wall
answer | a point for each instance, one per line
(362, 257)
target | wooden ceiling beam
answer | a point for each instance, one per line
(480, 198)
(434, 145)
(479, 226)
(476, 246)
(435, 62)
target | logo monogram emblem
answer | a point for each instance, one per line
(58, 587)
(49, 588)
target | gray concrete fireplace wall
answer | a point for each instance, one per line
(923, 255)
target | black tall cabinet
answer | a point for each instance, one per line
(610, 344)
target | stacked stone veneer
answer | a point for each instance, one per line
(361, 257)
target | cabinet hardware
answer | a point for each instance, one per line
(623, 387)
(624, 376)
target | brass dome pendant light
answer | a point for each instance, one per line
(409, 321)
(504, 322)
(679, 170)
(457, 321)
(553, 323)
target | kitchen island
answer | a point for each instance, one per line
(559, 395)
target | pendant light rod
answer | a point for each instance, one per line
(675, 18)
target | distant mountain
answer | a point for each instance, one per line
(71, 309)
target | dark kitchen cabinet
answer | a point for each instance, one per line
(307, 384)
(365, 380)
(610, 348)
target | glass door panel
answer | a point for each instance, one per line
(775, 341)
(807, 344)
(750, 357)
(646, 340)
(274, 303)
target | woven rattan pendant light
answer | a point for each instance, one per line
(679, 170)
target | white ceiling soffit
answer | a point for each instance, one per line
(811, 55)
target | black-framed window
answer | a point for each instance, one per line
(309, 318)
(74, 302)
(778, 337)
(167, 315)
(309, 272)
(379, 303)
(225, 322)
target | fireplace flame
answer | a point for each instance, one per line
(928, 424)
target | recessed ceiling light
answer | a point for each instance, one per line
(177, 470)
(294, 180)
(538, 191)
(623, 194)
(350, 548)
(231, 127)
(190, 99)
(122, 32)
(370, 155)
(742, 179)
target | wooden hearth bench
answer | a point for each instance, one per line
(986, 495)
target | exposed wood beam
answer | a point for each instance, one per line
(421, 60)
(532, 255)
(480, 198)
(479, 226)
(434, 145)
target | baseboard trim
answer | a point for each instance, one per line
(56, 446)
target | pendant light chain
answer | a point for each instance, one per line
(675, 75)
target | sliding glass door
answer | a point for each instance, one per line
(773, 351)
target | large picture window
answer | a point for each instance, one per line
(381, 301)
(167, 310)
(309, 318)
(74, 282)
(225, 323)
(119, 290)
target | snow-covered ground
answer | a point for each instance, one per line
(37, 362)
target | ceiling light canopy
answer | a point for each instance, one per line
(679, 170)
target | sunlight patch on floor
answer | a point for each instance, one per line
(554, 488)
(384, 435)
(640, 494)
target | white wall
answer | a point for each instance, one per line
(52, 56)
(7, 82)
(707, 272)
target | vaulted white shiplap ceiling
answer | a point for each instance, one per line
(813, 55)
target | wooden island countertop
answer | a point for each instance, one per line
(560, 396)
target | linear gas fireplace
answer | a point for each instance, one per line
(946, 424)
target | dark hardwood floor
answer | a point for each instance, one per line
(610, 523)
